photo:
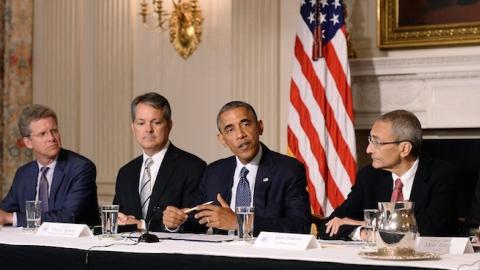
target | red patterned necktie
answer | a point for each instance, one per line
(397, 194)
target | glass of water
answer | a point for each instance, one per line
(109, 215)
(33, 211)
(370, 216)
(245, 216)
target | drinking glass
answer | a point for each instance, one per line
(370, 216)
(245, 217)
(109, 215)
(33, 212)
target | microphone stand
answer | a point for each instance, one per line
(148, 237)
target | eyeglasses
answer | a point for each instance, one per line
(378, 143)
(43, 135)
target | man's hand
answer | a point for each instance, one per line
(173, 217)
(5, 217)
(335, 223)
(220, 217)
(125, 220)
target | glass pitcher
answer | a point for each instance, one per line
(397, 229)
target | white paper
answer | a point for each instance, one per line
(63, 229)
(444, 245)
(286, 241)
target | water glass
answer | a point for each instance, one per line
(245, 217)
(109, 215)
(33, 210)
(370, 216)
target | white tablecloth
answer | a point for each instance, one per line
(331, 253)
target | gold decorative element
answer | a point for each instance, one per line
(391, 35)
(185, 23)
(186, 27)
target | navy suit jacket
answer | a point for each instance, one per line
(433, 192)
(73, 194)
(280, 198)
(176, 185)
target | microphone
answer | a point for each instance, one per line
(148, 237)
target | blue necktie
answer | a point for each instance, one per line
(243, 197)
(43, 189)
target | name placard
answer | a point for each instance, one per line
(444, 245)
(63, 229)
(286, 241)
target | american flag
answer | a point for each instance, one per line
(320, 121)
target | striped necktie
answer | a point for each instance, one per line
(146, 189)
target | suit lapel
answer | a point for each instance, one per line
(263, 179)
(133, 183)
(58, 175)
(163, 177)
(419, 188)
(32, 178)
(385, 186)
(229, 174)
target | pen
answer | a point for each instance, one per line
(186, 211)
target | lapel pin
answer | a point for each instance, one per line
(265, 179)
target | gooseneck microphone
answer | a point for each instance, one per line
(148, 237)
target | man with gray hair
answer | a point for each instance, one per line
(63, 181)
(163, 175)
(398, 172)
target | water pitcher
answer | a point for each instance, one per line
(397, 229)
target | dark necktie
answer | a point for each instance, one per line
(243, 196)
(43, 189)
(397, 194)
(146, 189)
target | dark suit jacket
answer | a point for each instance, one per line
(280, 198)
(176, 185)
(433, 192)
(73, 194)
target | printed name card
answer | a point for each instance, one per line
(286, 241)
(63, 229)
(444, 245)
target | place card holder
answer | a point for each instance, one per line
(286, 241)
(63, 230)
(444, 245)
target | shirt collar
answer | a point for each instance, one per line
(157, 157)
(254, 162)
(409, 175)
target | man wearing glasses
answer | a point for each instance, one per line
(62, 180)
(398, 172)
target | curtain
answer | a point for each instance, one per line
(16, 34)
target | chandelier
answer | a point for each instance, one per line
(184, 23)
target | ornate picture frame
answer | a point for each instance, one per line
(427, 23)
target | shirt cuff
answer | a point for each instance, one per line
(356, 234)
(171, 230)
(142, 225)
(14, 219)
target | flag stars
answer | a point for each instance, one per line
(334, 19)
(311, 18)
(313, 2)
(324, 3)
(323, 18)
(337, 3)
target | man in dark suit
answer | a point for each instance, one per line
(275, 183)
(163, 175)
(398, 172)
(62, 180)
